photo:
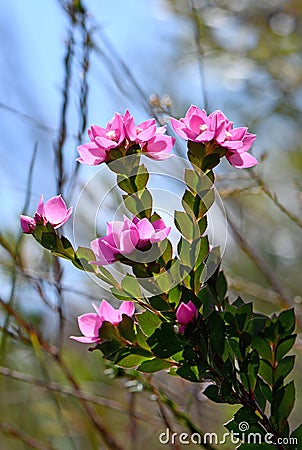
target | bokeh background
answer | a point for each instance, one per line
(67, 64)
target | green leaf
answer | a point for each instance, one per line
(188, 202)
(244, 315)
(159, 304)
(142, 177)
(131, 361)
(125, 184)
(185, 225)
(210, 161)
(154, 365)
(284, 346)
(285, 366)
(191, 179)
(263, 347)
(82, 257)
(287, 320)
(245, 414)
(188, 372)
(196, 152)
(266, 390)
(266, 371)
(212, 392)
(282, 404)
(164, 342)
(148, 322)
(174, 295)
(108, 332)
(110, 349)
(296, 437)
(106, 276)
(131, 286)
(253, 368)
(126, 328)
(221, 286)
(216, 329)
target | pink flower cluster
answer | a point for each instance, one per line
(54, 211)
(216, 128)
(91, 323)
(124, 237)
(186, 312)
(122, 131)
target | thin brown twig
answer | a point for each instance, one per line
(13, 432)
(262, 264)
(54, 353)
(272, 196)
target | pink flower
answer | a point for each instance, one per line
(122, 131)
(102, 140)
(217, 130)
(91, 323)
(124, 237)
(186, 312)
(54, 211)
(195, 126)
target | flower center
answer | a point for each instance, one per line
(203, 127)
(111, 135)
(139, 130)
(228, 134)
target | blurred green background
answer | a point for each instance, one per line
(65, 65)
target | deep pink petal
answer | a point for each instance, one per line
(129, 126)
(241, 160)
(95, 131)
(55, 210)
(145, 229)
(86, 340)
(115, 226)
(179, 128)
(127, 308)
(103, 251)
(90, 324)
(28, 224)
(247, 142)
(146, 134)
(40, 208)
(186, 313)
(160, 235)
(105, 143)
(159, 224)
(109, 313)
(91, 154)
(68, 214)
(159, 147)
(129, 239)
